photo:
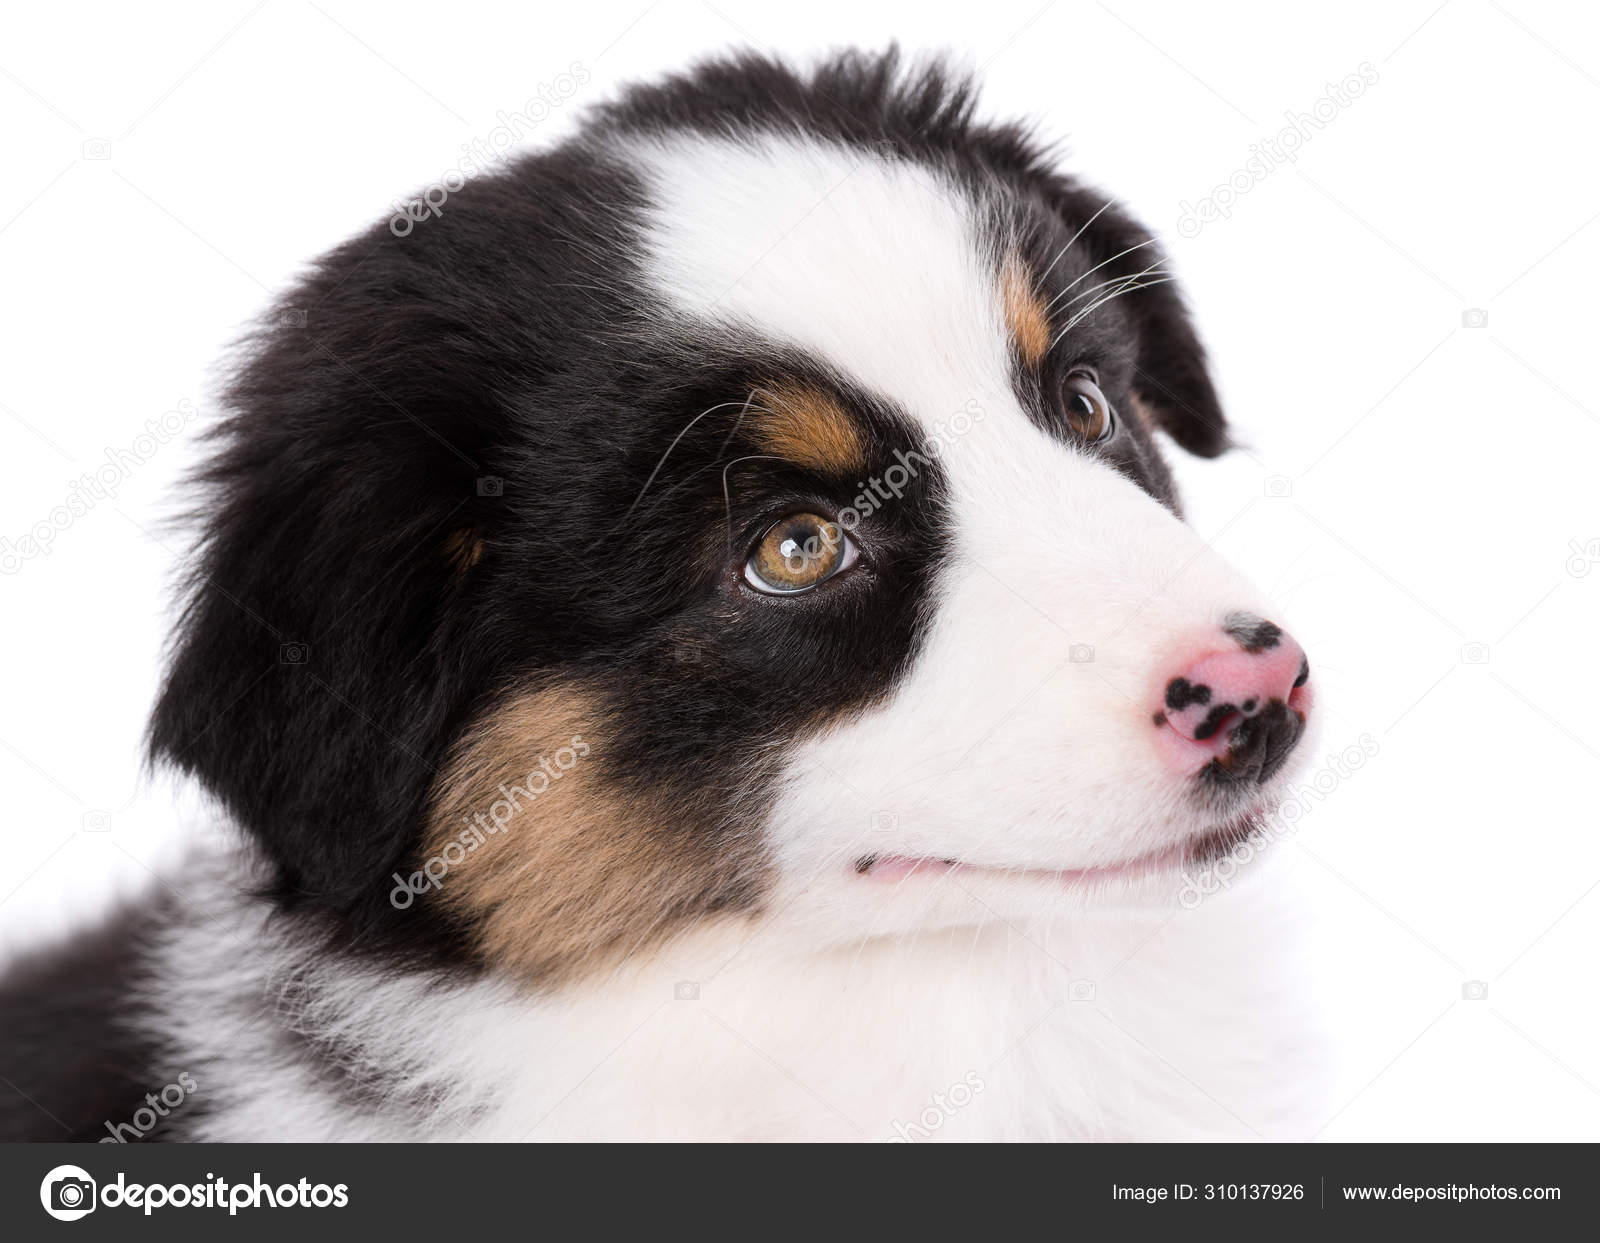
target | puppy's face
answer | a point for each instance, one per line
(732, 521)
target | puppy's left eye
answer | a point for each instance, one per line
(1088, 412)
(799, 553)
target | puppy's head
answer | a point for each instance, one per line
(751, 510)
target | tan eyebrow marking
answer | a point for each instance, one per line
(1026, 319)
(807, 426)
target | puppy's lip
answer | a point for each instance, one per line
(1198, 848)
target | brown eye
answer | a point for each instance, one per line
(1087, 409)
(798, 553)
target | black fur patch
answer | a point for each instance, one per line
(73, 1055)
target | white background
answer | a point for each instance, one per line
(1418, 479)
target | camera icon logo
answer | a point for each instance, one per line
(97, 149)
(1474, 317)
(1475, 654)
(1475, 990)
(67, 1193)
(1278, 486)
(294, 654)
(294, 317)
(1584, 557)
(686, 990)
(884, 821)
(490, 485)
(1081, 990)
(1081, 653)
(97, 822)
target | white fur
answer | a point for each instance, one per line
(850, 1006)
(1184, 1037)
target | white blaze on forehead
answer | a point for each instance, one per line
(878, 268)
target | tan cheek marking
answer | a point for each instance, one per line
(1025, 312)
(808, 427)
(579, 876)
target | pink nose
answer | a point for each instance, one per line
(1237, 707)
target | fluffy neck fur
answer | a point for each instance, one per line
(963, 1034)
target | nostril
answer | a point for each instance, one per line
(1258, 747)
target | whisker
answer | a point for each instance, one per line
(1097, 267)
(727, 499)
(1115, 280)
(688, 427)
(1110, 297)
(661, 496)
(1074, 238)
(737, 423)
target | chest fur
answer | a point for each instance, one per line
(1175, 1026)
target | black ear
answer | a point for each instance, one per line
(316, 670)
(1171, 378)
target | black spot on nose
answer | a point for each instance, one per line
(1305, 672)
(1181, 693)
(1213, 721)
(1254, 634)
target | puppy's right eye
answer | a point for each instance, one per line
(1087, 410)
(798, 553)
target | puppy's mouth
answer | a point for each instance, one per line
(1198, 850)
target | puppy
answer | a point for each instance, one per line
(696, 640)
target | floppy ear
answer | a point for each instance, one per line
(1171, 379)
(318, 666)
